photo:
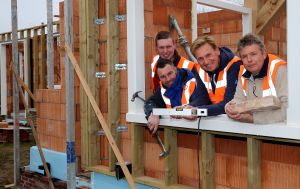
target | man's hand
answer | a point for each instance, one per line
(190, 118)
(153, 122)
(242, 117)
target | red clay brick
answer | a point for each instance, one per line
(272, 47)
(122, 30)
(148, 5)
(216, 28)
(123, 101)
(160, 15)
(123, 80)
(123, 51)
(230, 26)
(122, 7)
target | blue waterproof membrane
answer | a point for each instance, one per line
(57, 160)
(99, 180)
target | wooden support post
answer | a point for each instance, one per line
(29, 62)
(14, 23)
(89, 56)
(42, 60)
(254, 5)
(101, 119)
(171, 171)
(254, 163)
(50, 52)
(70, 102)
(22, 34)
(208, 161)
(113, 76)
(137, 146)
(35, 60)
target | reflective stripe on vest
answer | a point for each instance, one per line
(221, 83)
(188, 90)
(268, 87)
(153, 65)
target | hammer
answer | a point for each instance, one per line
(136, 95)
(164, 152)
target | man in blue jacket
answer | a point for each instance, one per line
(177, 87)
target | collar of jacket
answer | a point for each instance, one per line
(225, 56)
(262, 73)
(182, 76)
(176, 58)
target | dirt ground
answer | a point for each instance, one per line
(7, 161)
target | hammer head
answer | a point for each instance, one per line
(135, 95)
(164, 153)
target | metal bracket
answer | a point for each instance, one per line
(120, 18)
(99, 21)
(120, 66)
(100, 75)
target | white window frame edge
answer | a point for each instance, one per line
(136, 77)
(4, 70)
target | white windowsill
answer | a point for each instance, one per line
(223, 124)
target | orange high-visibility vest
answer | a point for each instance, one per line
(268, 86)
(221, 83)
(183, 63)
(187, 91)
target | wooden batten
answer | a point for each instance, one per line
(90, 150)
(254, 163)
(35, 60)
(137, 144)
(113, 76)
(208, 160)
(171, 170)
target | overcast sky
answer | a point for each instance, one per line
(30, 13)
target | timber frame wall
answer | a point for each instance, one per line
(32, 46)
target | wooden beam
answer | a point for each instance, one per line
(208, 160)
(42, 60)
(70, 96)
(254, 163)
(101, 119)
(137, 146)
(254, 5)
(16, 104)
(29, 63)
(35, 60)
(50, 50)
(268, 13)
(171, 160)
(113, 77)
(89, 56)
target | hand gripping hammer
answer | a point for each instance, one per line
(164, 152)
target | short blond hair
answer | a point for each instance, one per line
(200, 41)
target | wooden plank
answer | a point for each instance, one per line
(268, 13)
(29, 62)
(171, 171)
(113, 77)
(89, 54)
(35, 60)
(100, 118)
(50, 49)
(42, 60)
(16, 104)
(208, 160)
(254, 5)
(254, 163)
(137, 146)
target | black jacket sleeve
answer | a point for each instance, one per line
(154, 101)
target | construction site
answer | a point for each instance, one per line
(73, 90)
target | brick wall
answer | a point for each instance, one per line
(226, 28)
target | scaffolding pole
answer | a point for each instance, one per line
(50, 53)
(14, 24)
(70, 114)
